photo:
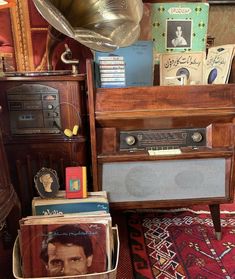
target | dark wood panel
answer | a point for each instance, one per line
(28, 153)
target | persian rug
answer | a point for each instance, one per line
(177, 244)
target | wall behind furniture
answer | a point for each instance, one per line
(222, 24)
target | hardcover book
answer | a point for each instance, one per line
(95, 202)
(138, 65)
(61, 246)
(179, 27)
(76, 182)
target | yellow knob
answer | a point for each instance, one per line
(75, 130)
(68, 133)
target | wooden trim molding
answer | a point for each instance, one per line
(21, 36)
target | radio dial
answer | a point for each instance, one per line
(196, 137)
(130, 140)
(50, 106)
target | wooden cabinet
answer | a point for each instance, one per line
(30, 149)
(197, 122)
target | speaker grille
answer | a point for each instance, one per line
(164, 180)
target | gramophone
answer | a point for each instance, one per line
(102, 25)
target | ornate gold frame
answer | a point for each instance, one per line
(21, 30)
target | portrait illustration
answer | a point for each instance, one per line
(47, 183)
(179, 34)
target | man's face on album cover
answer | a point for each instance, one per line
(67, 259)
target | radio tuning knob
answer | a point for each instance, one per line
(130, 140)
(196, 137)
(50, 106)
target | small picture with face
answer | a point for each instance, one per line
(179, 34)
(46, 183)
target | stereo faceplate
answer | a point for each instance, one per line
(33, 109)
(160, 139)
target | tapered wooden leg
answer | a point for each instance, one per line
(215, 215)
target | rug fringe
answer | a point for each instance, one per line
(178, 210)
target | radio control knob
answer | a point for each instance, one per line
(130, 140)
(50, 106)
(197, 137)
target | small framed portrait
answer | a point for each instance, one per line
(47, 183)
(179, 34)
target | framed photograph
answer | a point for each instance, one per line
(179, 34)
(47, 183)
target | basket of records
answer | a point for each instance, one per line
(66, 246)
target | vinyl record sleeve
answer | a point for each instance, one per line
(32, 236)
(170, 19)
(218, 64)
(174, 65)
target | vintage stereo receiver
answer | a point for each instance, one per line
(33, 108)
(161, 139)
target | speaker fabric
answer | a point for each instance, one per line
(164, 180)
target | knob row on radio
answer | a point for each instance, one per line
(196, 137)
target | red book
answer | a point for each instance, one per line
(76, 182)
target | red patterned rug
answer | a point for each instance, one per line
(177, 244)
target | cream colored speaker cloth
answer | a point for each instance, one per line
(102, 25)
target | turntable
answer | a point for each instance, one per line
(38, 74)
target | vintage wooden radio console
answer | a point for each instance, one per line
(163, 146)
(35, 111)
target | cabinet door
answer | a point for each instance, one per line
(28, 150)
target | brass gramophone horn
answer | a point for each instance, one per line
(102, 25)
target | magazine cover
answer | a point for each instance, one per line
(176, 66)
(68, 248)
(179, 27)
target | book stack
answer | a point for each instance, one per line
(66, 245)
(96, 202)
(112, 71)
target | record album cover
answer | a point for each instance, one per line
(175, 66)
(179, 27)
(95, 201)
(218, 64)
(61, 246)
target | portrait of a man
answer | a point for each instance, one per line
(70, 247)
(67, 251)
